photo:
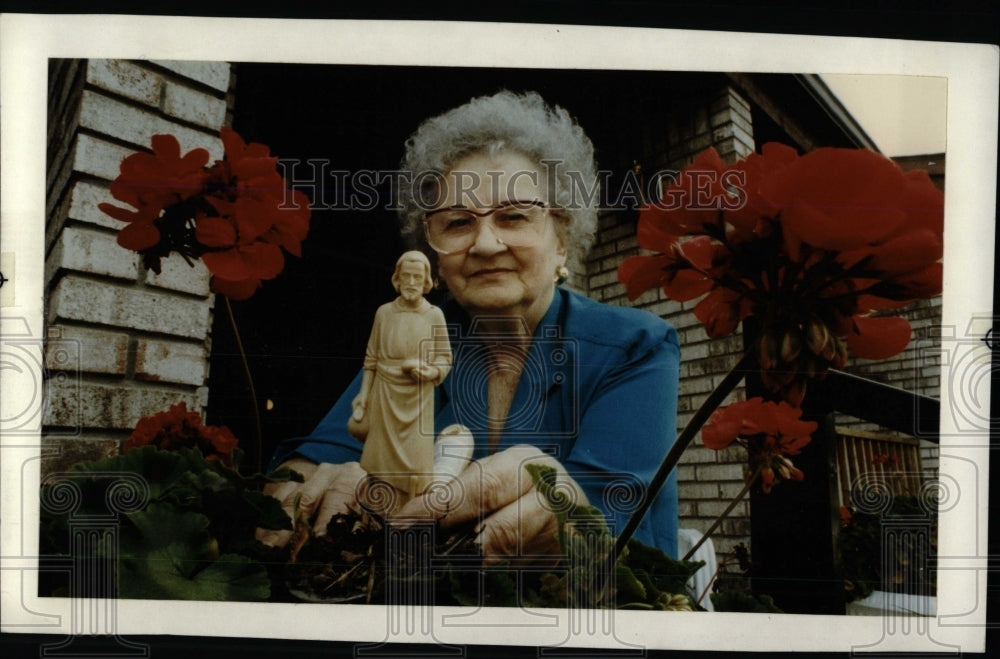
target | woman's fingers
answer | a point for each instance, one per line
(271, 537)
(298, 498)
(499, 480)
(340, 496)
(312, 491)
(486, 486)
(516, 520)
(525, 529)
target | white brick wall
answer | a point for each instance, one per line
(95, 252)
(106, 303)
(123, 342)
(125, 79)
(170, 361)
(87, 350)
(211, 74)
(194, 106)
(126, 122)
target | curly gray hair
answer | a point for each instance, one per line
(506, 121)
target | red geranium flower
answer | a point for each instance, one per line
(150, 182)
(819, 248)
(771, 431)
(236, 215)
(180, 428)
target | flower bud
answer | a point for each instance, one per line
(810, 368)
(794, 392)
(816, 335)
(840, 359)
(791, 346)
(673, 602)
(768, 350)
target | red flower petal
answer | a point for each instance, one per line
(907, 252)
(228, 264)
(878, 338)
(641, 273)
(232, 143)
(253, 217)
(923, 283)
(266, 259)
(653, 234)
(139, 236)
(166, 146)
(700, 251)
(723, 427)
(687, 284)
(839, 198)
(146, 214)
(924, 202)
(260, 260)
(215, 232)
(719, 312)
(195, 159)
(236, 290)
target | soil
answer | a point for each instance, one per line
(352, 562)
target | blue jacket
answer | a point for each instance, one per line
(598, 392)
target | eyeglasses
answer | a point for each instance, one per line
(515, 224)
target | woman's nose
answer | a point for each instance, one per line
(486, 242)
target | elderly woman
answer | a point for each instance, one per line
(540, 374)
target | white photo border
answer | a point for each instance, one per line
(28, 41)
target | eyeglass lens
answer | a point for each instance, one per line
(517, 224)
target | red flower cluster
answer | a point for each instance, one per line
(770, 430)
(815, 246)
(233, 214)
(181, 428)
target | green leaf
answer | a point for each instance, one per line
(172, 475)
(663, 571)
(645, 577)
(739, 602)
(571, 517)
(490, 588)
(629, 588)
(168, 553)
(268, 513)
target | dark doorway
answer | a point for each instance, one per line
(305, 331)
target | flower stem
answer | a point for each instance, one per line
(718, 520)
(253, 391)
(713, 401)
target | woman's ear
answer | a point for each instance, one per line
(562, 235)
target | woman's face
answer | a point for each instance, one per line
(490, 277)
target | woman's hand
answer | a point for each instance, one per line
(515, 518)
(328, 489)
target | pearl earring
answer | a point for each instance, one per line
(562, 274)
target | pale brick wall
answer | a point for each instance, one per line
(707, 479)
(123, 343)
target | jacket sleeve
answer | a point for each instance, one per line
(628, 423)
